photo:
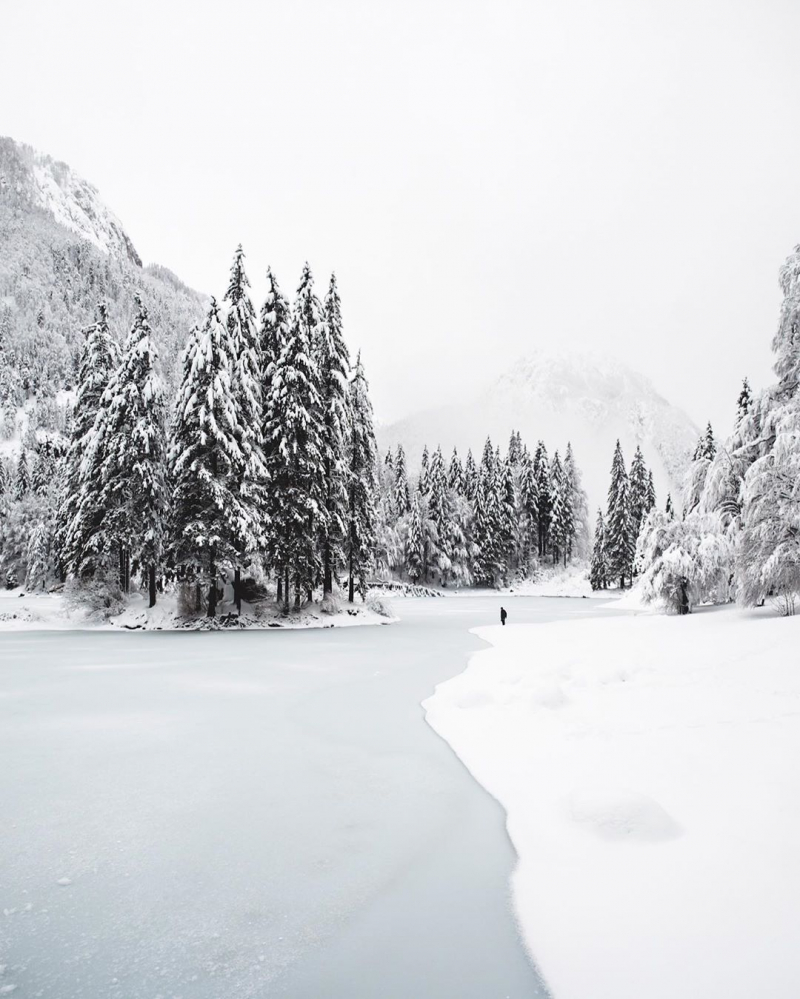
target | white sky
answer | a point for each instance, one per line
(485, 177)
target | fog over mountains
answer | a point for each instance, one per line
(588, 399)
(62, 250)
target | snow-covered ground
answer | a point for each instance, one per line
(24, 611)
(650, 770)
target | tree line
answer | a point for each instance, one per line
(485, 523)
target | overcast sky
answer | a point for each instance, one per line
(484, 177)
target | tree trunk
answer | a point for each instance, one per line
(286, 590)
(198, 598)
(152, 583)
(279, 578)
(212, 590)
(327, 578)
(351, 585)
(296, 594)
(684, 599)
(237, 589)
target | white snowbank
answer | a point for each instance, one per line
(650, 769)
(22, 611)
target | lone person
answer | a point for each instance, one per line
(503, 616)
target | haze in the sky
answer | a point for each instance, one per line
(485, 177)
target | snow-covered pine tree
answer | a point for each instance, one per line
(250, 472)
(22, 483)
(506, 537)
(4, 479)
(598, 572)
(541, 469)
(651, 493)
(558, 517)
(388, 459)
(669, 509)
(515, 448)
(308, 312)
(334, 363)
(43, 470)
(709, 443)
(295, 446)
(744, 403)
(620, 546)
(486, 564)
(529, 510)
(402, 496)
(455, 475)
(424, 471)
(577, 510)
(79, 515)
(134, 494)
(361, 484)
(470, 476)
(205, 457)
(638, 491)
(440, 513)
(416, 541)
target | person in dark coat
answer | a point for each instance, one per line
(503, 616)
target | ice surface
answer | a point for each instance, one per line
(251, 814)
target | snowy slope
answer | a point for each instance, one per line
(649, 769)
(31, 177)
(587, 398)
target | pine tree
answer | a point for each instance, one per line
(245, 348)
(423, 483)
(529, 504)
(558, 517)
(295, 444)
(205, 458)
(361, 484)
(515, 448)
(402, 496)
(22, 483)
(486, 520)
(440, 512)
(43, 469)
(669, 509)
(651, 493)
(507, 515)
(598, 573)
(541, 469)
(638, 491)
(574, 504)
(99, 357)
(415, 546)
(308, 311)
(470, 476)
(709, 443)
(455, 476)
(334, 363)
(4, 478)
(744, 403)
(134, 474)
(620, 545)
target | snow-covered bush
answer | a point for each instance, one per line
(684, 562)
(100, 597)
(378, 605)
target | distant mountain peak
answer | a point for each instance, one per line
(588, 398)
(31, 179)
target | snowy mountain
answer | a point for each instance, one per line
(28, 176)
(589, 399)
(61, 252)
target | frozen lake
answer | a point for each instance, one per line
(251, 814)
